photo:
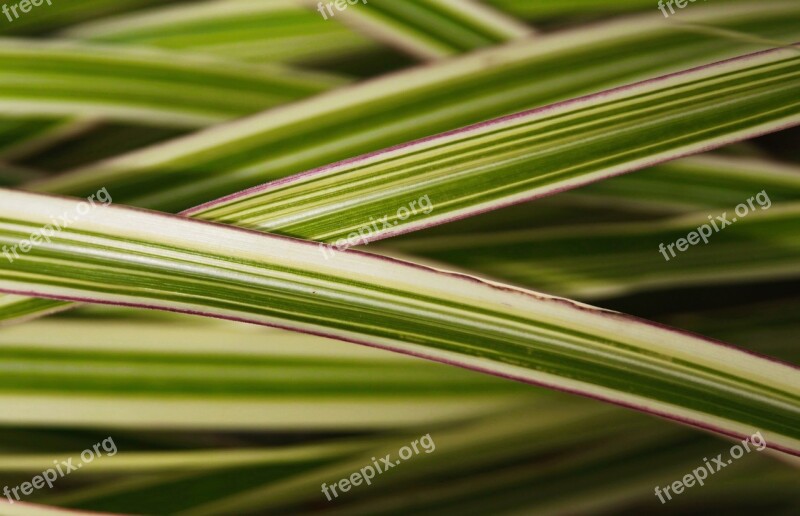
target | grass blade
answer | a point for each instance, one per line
(125, 256)
(247, 30)
(419, 102)
(69, 78)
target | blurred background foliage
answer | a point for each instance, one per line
(221, 418)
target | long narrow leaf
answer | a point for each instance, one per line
(65, 78)
(123, 256)
(432, 28)
(249, 30)
(419, 102)
(123, 373)
(527, 155)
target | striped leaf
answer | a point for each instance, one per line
(712, 182)
(428, 29)
(265, 31)
(526, 155)
(61, 14)
(64, 79)
(119, 255)
(417, 103)
(247, 30)
(244, 419)
(174, 374)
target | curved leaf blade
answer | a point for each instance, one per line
(246, 30)
(78, 79)
(431, 29)
(417, 103)
(130, 257)
(173, 374)
(526, 155)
